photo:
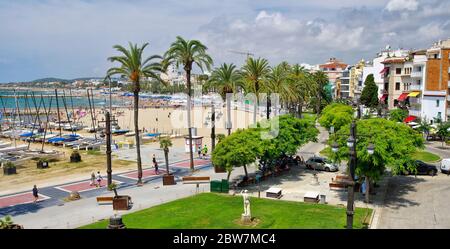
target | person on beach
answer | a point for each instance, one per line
(99, 179)
(92, 179)
(35, 194)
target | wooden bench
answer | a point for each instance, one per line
(337, 185)
(105, 200)
(196, 180)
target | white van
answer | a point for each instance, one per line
(445, 165)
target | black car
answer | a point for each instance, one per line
(423, 169)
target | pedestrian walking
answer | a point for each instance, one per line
(99, 179)
(156, 168)
(154, 160)
(199, 151)
(205, 150)
(92, 179)
(35, 194)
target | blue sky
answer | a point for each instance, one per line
(73, 38)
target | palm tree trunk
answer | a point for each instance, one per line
(136, 129)
(213, 128)
(300, 109)
(268, 107)
(191, 153)
(166, 155)
(228, 113)
(245, 170)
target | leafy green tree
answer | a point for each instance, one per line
(369, 95)
(398, 115)
(394, 146)
(336, 115)
(443, 131)
(424, 127)
(136, 69)
(187, 53)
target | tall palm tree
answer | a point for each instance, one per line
(301, 86)
(225, 80)
(187, 53)
(136, 70)
(254, 73)
(276, 83)
(165, 143)
(320, 81)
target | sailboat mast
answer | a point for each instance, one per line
(59, 115)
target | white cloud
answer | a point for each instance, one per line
(398, 5)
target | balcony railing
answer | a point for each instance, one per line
(416, 74)
(415, 106)
(414, 112)
(415, 87)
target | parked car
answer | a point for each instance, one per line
(445, 166)
(321, 163)
(423, 169)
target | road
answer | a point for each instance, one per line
(418, 202)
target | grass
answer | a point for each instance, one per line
(210, 210)
(426, 156)
(326, 152)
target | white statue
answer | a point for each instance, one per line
(246, 197)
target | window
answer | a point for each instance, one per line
(398, 71)
(419, 69)
(437, 102)
(435, 56)
(418, 82)
(439, 115)
(397, 86)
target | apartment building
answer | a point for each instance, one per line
(397, 79)
(356, 83)
(333, 69)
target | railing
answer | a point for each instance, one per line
(416, 87)
(415, 106)
(414, 112)
(416, 74)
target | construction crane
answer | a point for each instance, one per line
(248, 54)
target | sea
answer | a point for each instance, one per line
(24, 99)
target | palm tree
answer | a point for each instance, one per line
(276, 83)
(320, 82)
(225, 80)
(425, 128)
(187, 53)
(254, 73)
(136, 70)
(300, 85)
(165, 143)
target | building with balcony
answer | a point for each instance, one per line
(356, 83)
(333, 69)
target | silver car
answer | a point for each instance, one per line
(320, 163)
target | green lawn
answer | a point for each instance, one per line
(426, 156)
(210, 210)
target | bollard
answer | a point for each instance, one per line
(115, 222)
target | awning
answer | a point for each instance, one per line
(409, 119)
(384, 97)
(413, 94)
(403, 97)
(384, 70)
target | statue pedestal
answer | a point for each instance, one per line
(246, 219)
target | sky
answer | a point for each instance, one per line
(73, 38)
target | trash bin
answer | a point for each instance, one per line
(225, 186)
(216, 186)
(322, 199)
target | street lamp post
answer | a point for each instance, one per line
(351, 144)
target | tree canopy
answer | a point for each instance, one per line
(398, 115)
(369, 94)
(394, 145)
(244, 147)
(336, 115)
